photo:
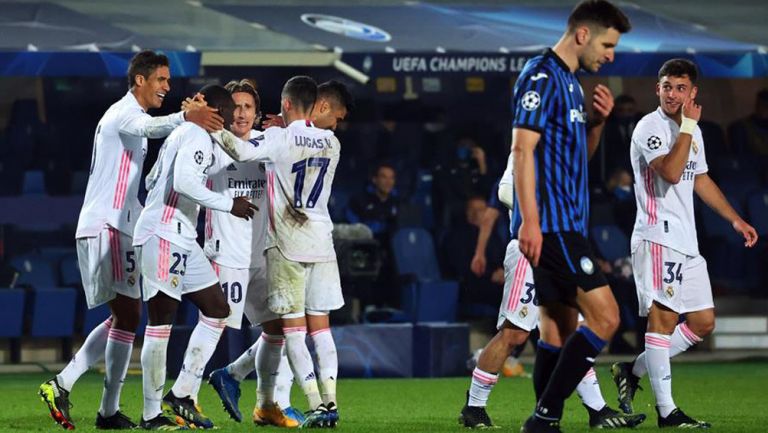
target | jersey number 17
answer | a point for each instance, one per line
(300, 168)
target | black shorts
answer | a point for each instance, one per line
(566, 262)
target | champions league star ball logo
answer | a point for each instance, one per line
(654, 142)
(199, 157)
(531, 100)
(348, 28)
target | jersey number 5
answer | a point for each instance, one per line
(300, 168)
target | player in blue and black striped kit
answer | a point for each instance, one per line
(552, 140)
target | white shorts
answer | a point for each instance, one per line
(671, 278)
(246, 292)
(108, 265)
(173, 270)
(519, 306)
(294, 287)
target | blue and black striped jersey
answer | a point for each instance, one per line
(548, 98)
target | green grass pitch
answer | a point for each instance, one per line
(732, 396)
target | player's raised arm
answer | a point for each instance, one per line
(711, 194)
(602, 105)
(257, 149)
(671, 166)
(523, 144)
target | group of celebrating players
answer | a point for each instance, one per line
(269, 254)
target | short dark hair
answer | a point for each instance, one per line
(600, 12)
(219, 98)
(379, 166)
(301, 91)
(144, 64)
(679, 68)
(337, 92)
(244, 86)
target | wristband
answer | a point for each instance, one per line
(687, 126)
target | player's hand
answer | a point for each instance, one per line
(205, 117)
(692, 110)
(746, 230)
(197, 101)
(243, 208)
(602, 103)
(273, 120)
(530, 239)
(478, 264)
(498, 276)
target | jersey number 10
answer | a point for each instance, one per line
(300, 168)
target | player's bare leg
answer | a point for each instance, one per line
(486, 374)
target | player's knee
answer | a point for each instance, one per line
(703, 328)
(127, 316)
(513, 337)
(217, 310)
(605, 324)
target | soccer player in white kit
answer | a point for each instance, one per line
(332, 105)
(108, 265)
(302, 273)
(518, 315)
(173, 265)
(669, 163)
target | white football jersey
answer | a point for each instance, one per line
(664, 210)
(177, 189)
(119, 149)
(231, 241)
(301, 163)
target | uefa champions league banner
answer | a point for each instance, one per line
(712, 65)
(88, 64)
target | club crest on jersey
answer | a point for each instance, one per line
(694, 146)
(524, 311)
(654, 142)
(131, 280)
(175, 282)
(199, 157)
(670, 291)
(587, 266)
(531, 100)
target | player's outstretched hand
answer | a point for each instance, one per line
(746, 230)
(692, 110)
(602, 102)
(205, 117)
(273, 120)
(243, 208)
(478, 264)
(196, 101)
(530, 240)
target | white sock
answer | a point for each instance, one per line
(283, 382)
(117, 356)
(267, 363)
(153, 355)
(243, 366)
(682, 339)
(327, 363)
(589, 391)
(89, 353)
(659, 370)
(482, 385)
(202, 344)
(301, 364)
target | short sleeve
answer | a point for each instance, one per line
(531, 100)
(651, 141)
(701, 160)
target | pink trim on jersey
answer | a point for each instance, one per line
(216, 324)
(271, 198)
(294, 329)
(319, 331)
(209, 216)
(108, 322)
(484, 378)
(170, 207)
(517, 283)
(163, 259)
(121, 188)
(656, 265)
(650, 200)
(114, 247)
(590, 373)
(121, 336)
(686, 331)
(216, 268)
(656, 342)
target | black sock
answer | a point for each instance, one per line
(546, 360)
(576, 358)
